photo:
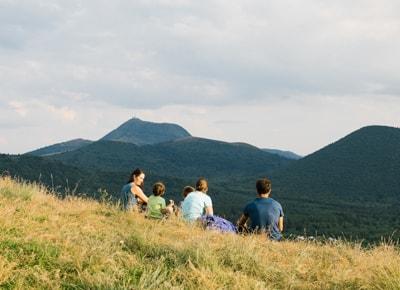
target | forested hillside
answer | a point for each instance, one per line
(186, 158)
(351, 186)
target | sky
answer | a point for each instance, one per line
(291, 75)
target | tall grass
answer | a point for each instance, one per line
(47, 243)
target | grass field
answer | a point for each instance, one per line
(47, 243)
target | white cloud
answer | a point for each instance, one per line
(19, 107)
(224, 62)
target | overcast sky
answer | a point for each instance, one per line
(292, 75)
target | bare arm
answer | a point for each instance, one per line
(242, 220)
(209, 210)
(280, 223)
(137, 191)
(169, 209)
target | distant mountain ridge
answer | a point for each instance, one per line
(185, 157)
(141, 132)
(286, 154)
(60, 147)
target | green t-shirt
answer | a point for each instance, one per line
(154, 206)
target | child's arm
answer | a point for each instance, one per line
(168, 209)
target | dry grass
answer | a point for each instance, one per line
(49, 243)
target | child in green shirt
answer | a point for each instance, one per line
(156, 207)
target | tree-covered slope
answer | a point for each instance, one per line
(363, 165)
(351, 187)
(50, 172)
(67, 179)
(189, 157)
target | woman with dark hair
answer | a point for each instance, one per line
(132, 193)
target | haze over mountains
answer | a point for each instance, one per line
(350, 187)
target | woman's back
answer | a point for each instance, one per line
(195, 204)
(127, 199)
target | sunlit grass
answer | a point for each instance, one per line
(49, 243)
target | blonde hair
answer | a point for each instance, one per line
(202, 184)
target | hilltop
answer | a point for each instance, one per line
(62, 147)
(141, 132)
(47, 243)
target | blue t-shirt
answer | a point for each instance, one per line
(264, 214)
(127, 198)
(194, 205)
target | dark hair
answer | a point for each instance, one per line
(263, 186)
(134, 173)
(158, 188)
(187, 190)
(202, 184)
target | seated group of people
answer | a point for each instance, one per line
(262, 215)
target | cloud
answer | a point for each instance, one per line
(19, 108)
(148, 55)
(115, 58)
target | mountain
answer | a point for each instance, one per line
(351, 186)
(286, 154)
(188, 157)
(363, 165)
(141, 132)
(60, 147)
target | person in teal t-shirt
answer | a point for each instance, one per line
(156, 207)
(197, 203)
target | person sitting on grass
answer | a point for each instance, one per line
(265, 214)
(156, 207)
(186, 190)
(197, 202)
(132, 196)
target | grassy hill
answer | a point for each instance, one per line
(47, 243)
